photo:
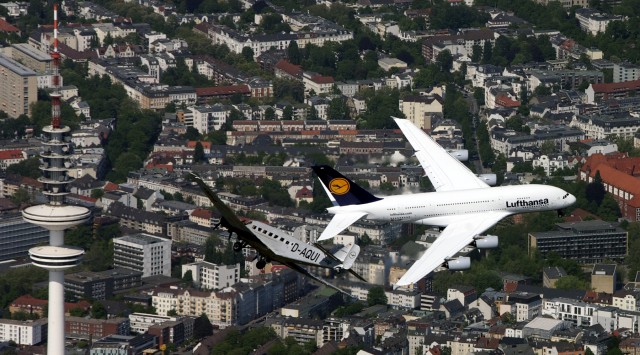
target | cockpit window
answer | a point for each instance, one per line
(565, 196)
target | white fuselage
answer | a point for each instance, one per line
(280, 244)
(438, 208)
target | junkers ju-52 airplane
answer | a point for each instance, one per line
(273, 244)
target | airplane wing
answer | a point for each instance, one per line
(457, 235)
(305, 272)
(445, 172)
(233, 223)
(340, 222)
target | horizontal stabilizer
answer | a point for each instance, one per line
(340, 222)
(347, 255)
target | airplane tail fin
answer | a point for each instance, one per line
(341, 190)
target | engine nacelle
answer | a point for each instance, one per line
(486, 242)
(459, 263)
(460, 154)
(489, 179)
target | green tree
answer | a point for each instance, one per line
(247, 54)
(571, 282)
(595, 191)
(202, 327)
(387, 186)
(198, 153)
(98, 311)
(293, 53)
(487, 53)
(20, 196)
(444, 59)
(188, 277)
(191, 134)
(269, 114)
(28, 167)
(287, 113)
(376, 296)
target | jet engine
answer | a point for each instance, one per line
(489, 179)
(460, 154)
(459, 263)
(486, 242)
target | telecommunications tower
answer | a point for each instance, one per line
(56, 216)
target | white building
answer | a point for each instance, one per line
(140, 322)
(210, 117)
(211, 276)
(30, 332)
(403, 299)
(625, 72)
(143, 252)
(593, 21)
(551, 163)
(577, 312)
(627, 300)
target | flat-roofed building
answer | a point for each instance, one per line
(19, 87)
(100, 285)
(211, 276)
(18, 236)
(143, 252)
(30, 332)
(586, 242)
(603, 278)
(87, 328)
(124, 344)
(32, 57)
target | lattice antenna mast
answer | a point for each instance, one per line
(55, 55)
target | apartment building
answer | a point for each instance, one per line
(31, 332)
(625, 71)
(143, 252)
(88, 328)
(211, 276)
(586, 242)
(220, 307)
(19, 87)
(593, 21)
(421, 109)
(18, 236)
(32, 58)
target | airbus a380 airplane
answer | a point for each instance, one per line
(463, 204)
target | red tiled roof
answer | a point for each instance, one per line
(616, 87)
(109, 186)
(287, 67)
(223, 90)
(319, 79)
(83, 198)
(505, 101)
(205, 144)
(7, 27)
(304, 192)
(28, 300)
(11, 154)
(202, 213)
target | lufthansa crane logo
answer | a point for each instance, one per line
(339, 186)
